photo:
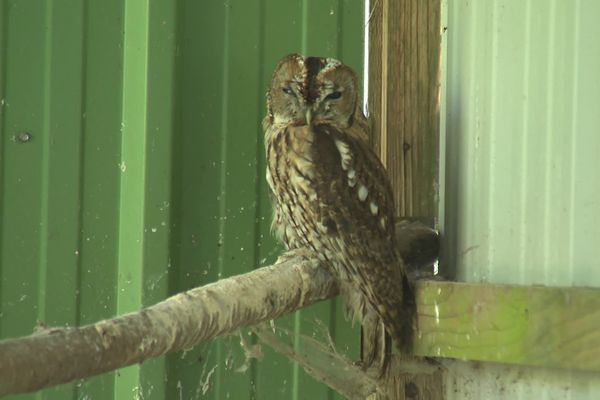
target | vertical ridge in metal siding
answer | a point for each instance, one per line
(3, 135)
(133, 147)
(223, 137)
(258, 164)
(101, 118)
(133, 180)
(573, 129)
(548, 145)
(61, 167)
(524, 144)
(493, 141)
(45, 163)
(219, 350)
(81, 157)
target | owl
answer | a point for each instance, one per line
(331, 195)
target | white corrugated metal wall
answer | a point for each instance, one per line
(521, 127)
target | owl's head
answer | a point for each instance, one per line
(312, 90)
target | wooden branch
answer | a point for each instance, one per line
(59, 355)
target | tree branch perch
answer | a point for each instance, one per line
(60, 355)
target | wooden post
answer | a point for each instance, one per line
(403, 101)
(403, 98)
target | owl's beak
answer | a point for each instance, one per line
(308, 115)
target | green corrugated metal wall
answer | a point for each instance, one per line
(132, 168)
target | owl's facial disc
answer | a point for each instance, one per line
(312, 90)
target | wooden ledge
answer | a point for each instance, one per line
(528, 325)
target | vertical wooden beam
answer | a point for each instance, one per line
(403, 98)
(403, 102)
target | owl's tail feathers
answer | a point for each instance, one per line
(376, 345)
(403, 319)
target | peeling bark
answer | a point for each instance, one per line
(60, 355)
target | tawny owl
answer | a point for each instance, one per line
(331, 193)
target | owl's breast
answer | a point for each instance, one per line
(293, 174)
(291, 167)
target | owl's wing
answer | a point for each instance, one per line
(353, 188)
(356, 203)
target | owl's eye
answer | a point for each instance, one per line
(288, 90)
(333, 96)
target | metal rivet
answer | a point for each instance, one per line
(24, 137)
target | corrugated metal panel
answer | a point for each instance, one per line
(60, 86)
(144, 174)
(522, 198)
(522, 141)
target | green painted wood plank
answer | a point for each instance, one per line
(537, 326)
